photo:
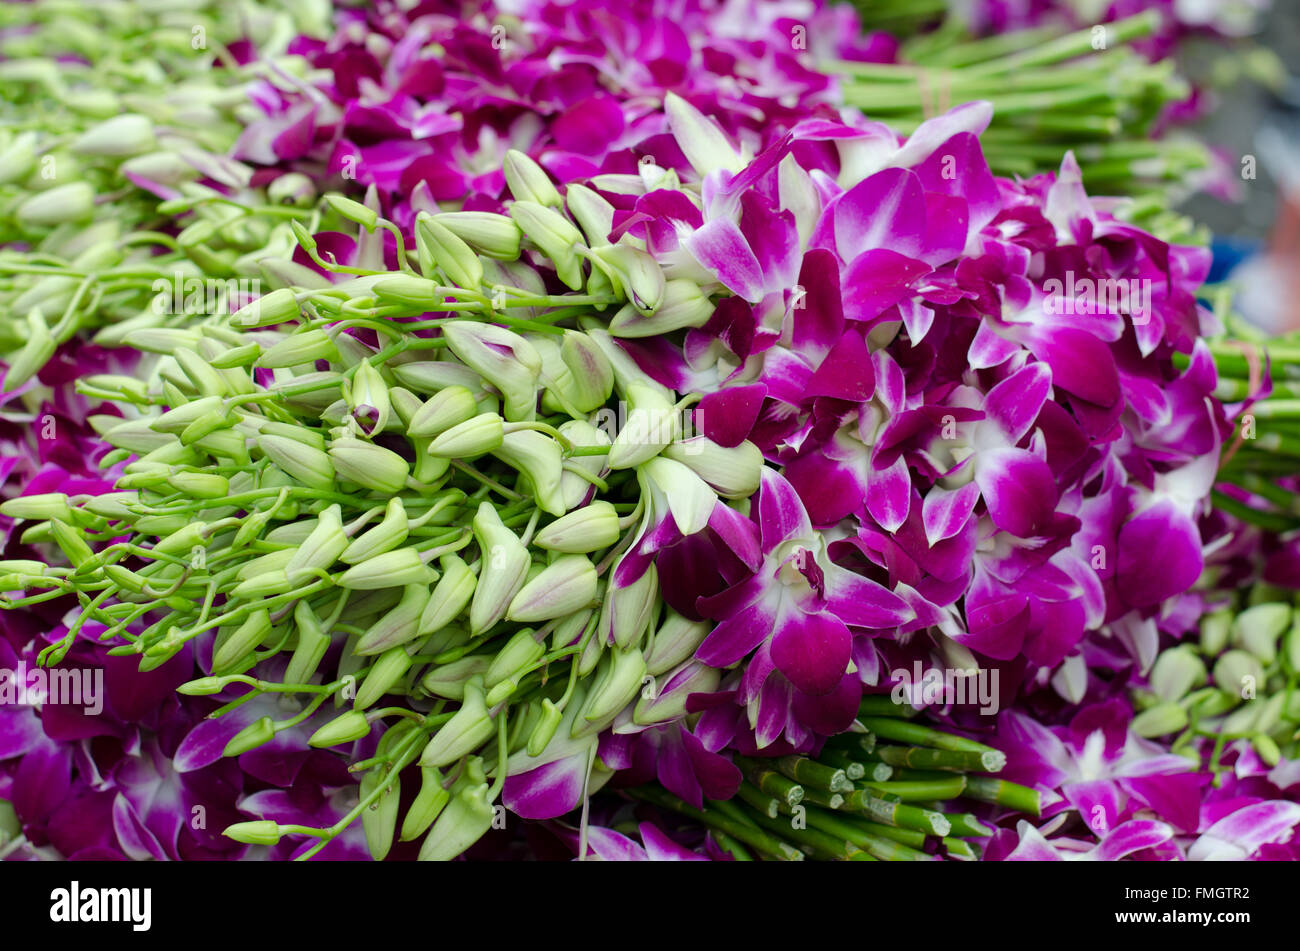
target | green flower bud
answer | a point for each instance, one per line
(18, 157)
(503, 569)
(593, 213)
(651, 425)
(257, 832)
(397, 626)
(406, 289)
(240, 642)
(61, 204)
(292, 188)
(625, 613)
(677, 639)
(278, 307)
(1257, 629)
(431, 376)
(477, 435)
(1291, 647)
(463, 822)
(305, 464)
(495, 236)
(182, 541)
(427, 806)
(320, 549)
(200, 485)
(265, 585)
(1215, 629)
(1177, 671)
(544, 730)
(682, 304)
(519, 653)
(1267, 749)
(346, 728)
(35, 353)
(368, 465)
(733, 473)
(368, 389)
(307, 346)
(468, 729)
(555, 236)
(1239, 673)
(118, 137)
(591, 376)
(641, 280)
(71, 543)
(388, 668)
(380, 820)
(615, 688)
(527, 181)
(39, 507)
(503, 358)
(450, 597)
(385, 536)
(539, 458)
(566, 585)
(1160, 720)
(449, 680)
(250, 737)
(391, 569)
(446, 408)
(590, 528)
(313, 642)
(574, 488)
(368, 218)
(440, 246)
(670, 704)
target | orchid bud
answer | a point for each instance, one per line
(614, 689)
(320, 549)
(398, 625)
(566, 585)
(463, 822)
(527, 181)
(1267, 749)
(490, 234)
(265, 585)
(200, 485)
(443, 248)
(179, 542)
(539, 458)
(651, 425)
(1235, 670)
(71, 543)
(590, 528)
(313, 642)
(591, 376)
(575, 488)
(670, 701)
(118, 137)
(701, 141)
(385, 536)
(591, 211)
(256, 832)
(346, 728)
(367, 396)
(278, 307)
(446, 408)
(307, 465)
(388, 668)
(450, 597)
(642, 281)
(1257, 629)
(569, 631)
(59, 205)
(733, 472)
(449, 680)
(677, 639)
(39, 507)
(681, 305)
(555, 236)
(35, 353)
(544, 729)
(368, 465)
(256, 734)
(427, 805)
(1177, 671)
(391, 569)
(503, 358)
(519, 653)
(352, 210)
(468, 729)
(239, 643)
(1215, 630)
(296, 349)
(1160, 720)
(503, 568)
(625, 613)
(482, 433)
(292, 188)
(380, 820)
(18, 156)
(1291, 647)
(405, 289)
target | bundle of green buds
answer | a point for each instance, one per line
(883, 791)
(1237, 683)
(399, 471)
(107, 111)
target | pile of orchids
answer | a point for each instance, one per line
(594, 425)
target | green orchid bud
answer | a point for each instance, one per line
(256, 734)
(305, 464)
(118, 137)
(652, 424)
(669, 704)
(1215, 631)
(35, 353)
(733, 473)
(681, 305)
(391, 569)
(182, 541)
(591, 377)
(165, 168)
(265, 585)
(387, 669)
(368, 389)
(544, 730)
(380, 820)
(313, 642)
(677, 640)
(1257, 629)
(278, 307)
(1210, 702)
(566, 585)
(385, 536)
(61, 204)
(527, 181)
(1239, 673)
(468, 729)
(292, 188)
(518, 654)
(203, 686)
(615, 688)
(1267, 749)
(540, 459)
(445, 249)
(71, 543)
(446, 408)
(205, 426)
(490, 234)
(406, 289)
(397, 626)
(642, 282)
(240, 642)
(555, 236)
(355, 211)
(200, 485)
(474, 437)
(1177, 671)
(503, 358)
(368, 465)
(346, 728)
(307, 346)
(18, 157)
(46, 505)
(320, 549)
(257, 832)
(590, 528)
(593, 213)
(449, 680)
(503, 570)
(1291, 647)
(625, 613)
(463, 822)
(450, 597)
(427, 806)
(574, 488)
(704, 144)
(1160, 720)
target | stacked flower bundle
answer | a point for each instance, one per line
(613, 444)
